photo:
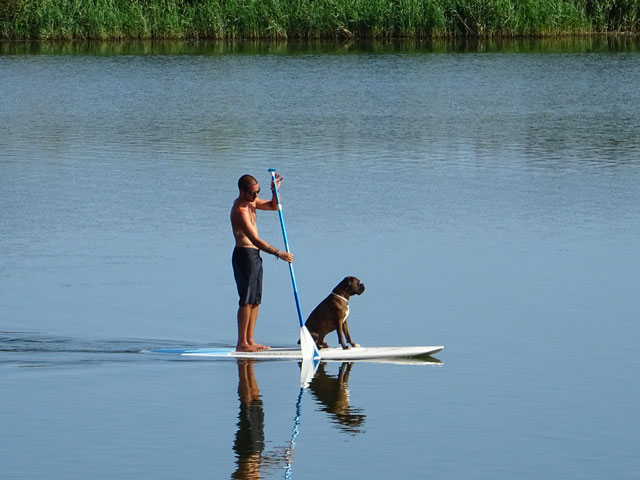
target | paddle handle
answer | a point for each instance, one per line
(286, 245)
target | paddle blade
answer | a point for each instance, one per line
(308, 346)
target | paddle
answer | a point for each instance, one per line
(308, 346)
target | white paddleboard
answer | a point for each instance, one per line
(337, 354)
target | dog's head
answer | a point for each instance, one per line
(349, 286)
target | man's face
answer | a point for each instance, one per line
(252, 192)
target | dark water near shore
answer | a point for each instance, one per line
(612, 43)
(488, 196)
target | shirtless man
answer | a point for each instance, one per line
(246, 261)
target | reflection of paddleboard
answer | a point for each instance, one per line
(358, 353)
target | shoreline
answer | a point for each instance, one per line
(530, 44)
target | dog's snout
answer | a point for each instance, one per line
(361, 289)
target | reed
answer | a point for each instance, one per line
(277, 19)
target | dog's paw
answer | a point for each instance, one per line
(357, 345)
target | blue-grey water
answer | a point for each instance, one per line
(490, 201)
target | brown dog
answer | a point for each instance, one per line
(331, 314)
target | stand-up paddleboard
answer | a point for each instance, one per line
(333, 354)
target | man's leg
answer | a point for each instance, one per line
(244, 327)
(253, 319)
(247, 319)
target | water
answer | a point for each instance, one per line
(488, 198)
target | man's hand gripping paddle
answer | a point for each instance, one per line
(308, 346)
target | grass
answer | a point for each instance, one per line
(311, 19)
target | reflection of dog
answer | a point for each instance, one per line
(332, 392)
(331, 314)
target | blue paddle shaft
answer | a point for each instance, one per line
(286, 245)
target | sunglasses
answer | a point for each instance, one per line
(254, 194)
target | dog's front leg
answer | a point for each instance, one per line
(345, 327)
(341, 337)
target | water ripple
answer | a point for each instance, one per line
(34, 349)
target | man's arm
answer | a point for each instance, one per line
(242, 221)
(272, 204)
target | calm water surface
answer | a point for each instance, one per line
(488, 197)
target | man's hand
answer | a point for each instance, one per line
(287, 257)
(278, 181)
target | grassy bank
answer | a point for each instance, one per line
(218, 19)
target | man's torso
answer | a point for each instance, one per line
(241, 212)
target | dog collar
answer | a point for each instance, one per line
(340, 296)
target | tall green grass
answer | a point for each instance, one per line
(218, 19)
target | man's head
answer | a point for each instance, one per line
(248, 185)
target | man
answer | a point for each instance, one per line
(246, 261)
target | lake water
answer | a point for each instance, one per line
(489, 198)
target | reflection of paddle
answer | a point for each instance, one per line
(295, 432)
(308, 346)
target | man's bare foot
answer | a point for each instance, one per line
(245, 347)
(260, 347)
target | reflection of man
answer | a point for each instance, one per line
(249, 442)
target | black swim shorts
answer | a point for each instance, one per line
(247, 270)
